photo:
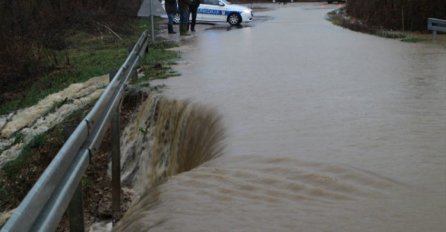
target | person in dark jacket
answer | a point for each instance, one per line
(171, 11)
(193, 12)
(183, 6)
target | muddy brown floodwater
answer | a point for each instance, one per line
(327, 130)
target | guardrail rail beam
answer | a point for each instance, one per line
(435, 25)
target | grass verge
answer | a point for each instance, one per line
(88, 56)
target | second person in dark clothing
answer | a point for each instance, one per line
(193, 7)
(183, 6)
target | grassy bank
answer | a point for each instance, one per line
(87, 56)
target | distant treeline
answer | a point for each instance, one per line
(409, 15)
(29, 28)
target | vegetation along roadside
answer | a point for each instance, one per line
(396, 19)
(88, 54)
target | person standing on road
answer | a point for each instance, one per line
(171, 11)
(183, 6)
(193, 12)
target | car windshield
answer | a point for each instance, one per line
(225, 2)
(215, 2)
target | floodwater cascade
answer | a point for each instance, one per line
(172, 159)
(167, 137)
(338, 134)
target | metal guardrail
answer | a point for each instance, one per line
(435, 25)
(45, 203)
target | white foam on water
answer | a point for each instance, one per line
(26, 117)
(38, 119)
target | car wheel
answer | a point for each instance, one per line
(176, 19)
(234, 19)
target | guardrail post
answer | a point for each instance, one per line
(75, 210)
(116, 161)
(151, 22)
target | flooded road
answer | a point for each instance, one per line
(327, 130)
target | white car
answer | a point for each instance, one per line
(220, 11)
